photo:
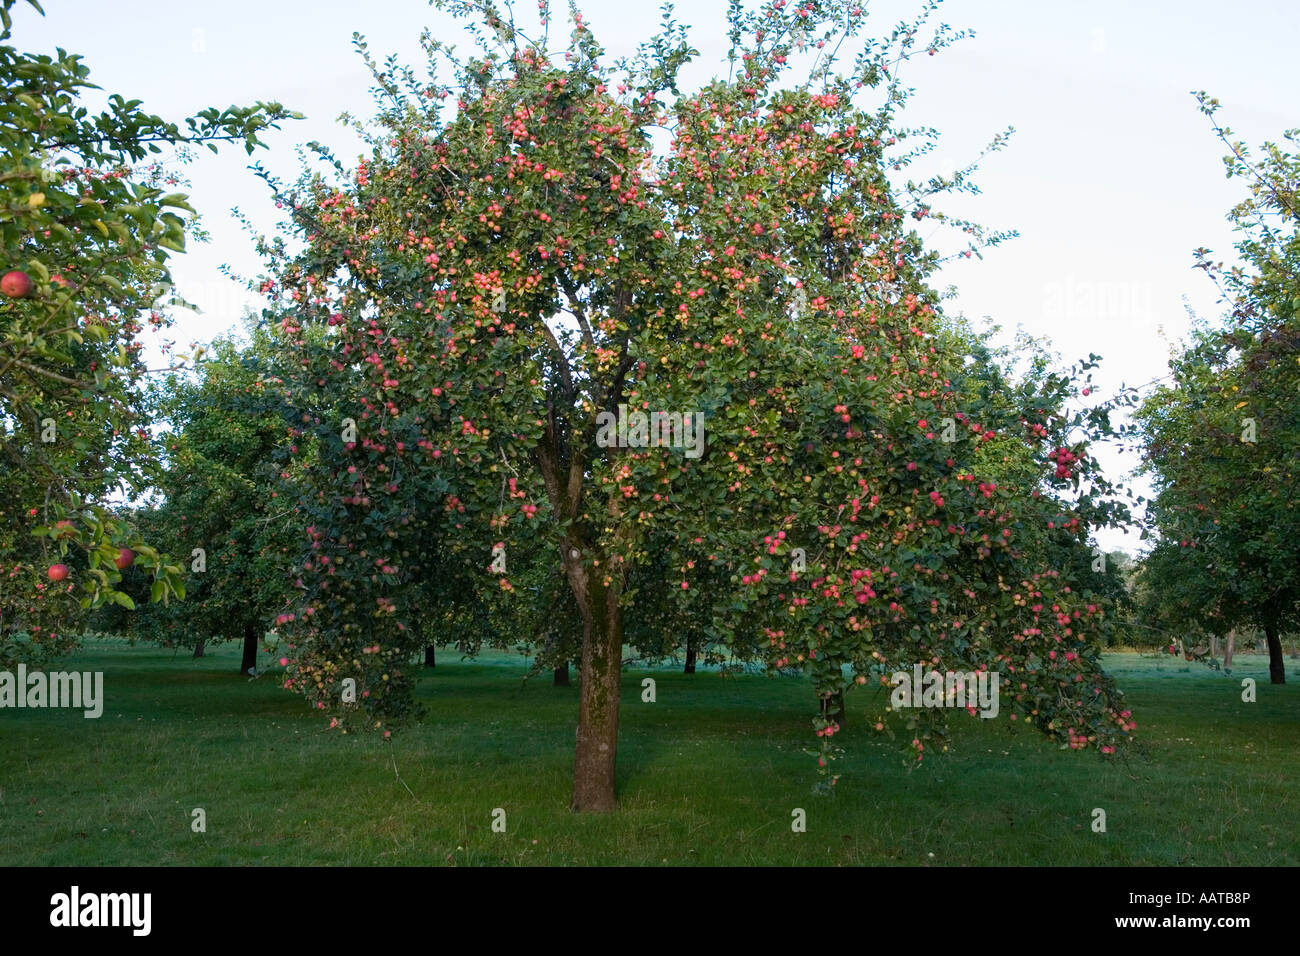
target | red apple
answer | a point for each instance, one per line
(58, 572)
(125, 558)
(16, 285)
(68, 529)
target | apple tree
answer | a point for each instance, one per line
(220, 503)
(1223, 435)
(87, 227)
(724, 350)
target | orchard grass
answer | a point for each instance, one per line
(709, 774)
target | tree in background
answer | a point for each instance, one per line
(1224, 435)
(222, 506)
(86, 230)
(501, 286)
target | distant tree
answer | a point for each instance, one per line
(1223, 438)
(222, 505)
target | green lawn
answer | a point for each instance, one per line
(708, 774)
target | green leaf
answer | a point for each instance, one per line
(176, 199)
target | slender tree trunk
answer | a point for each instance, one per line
(1276, 665)
(430, 656)
(1214, 647)
(250, 649)
(602, 668)
(833, 707)
(562, 675)
(1295, 649)
(690, 654)
(198, 647)
(1227, 651)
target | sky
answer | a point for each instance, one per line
(1112, 178)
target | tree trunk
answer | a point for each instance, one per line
(1227, 651)
(198, 647)
(1276, 665)
(430, 656)
(833, 707)
(1214, 647)
(1295, 649)
(602, 668)
(562, 675)
(690, 655)
(250, 649)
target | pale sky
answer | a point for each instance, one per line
(1112, 178)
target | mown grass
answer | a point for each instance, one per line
(708, 774)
